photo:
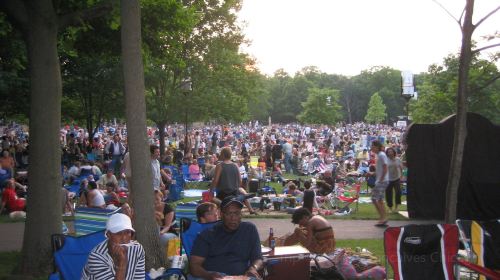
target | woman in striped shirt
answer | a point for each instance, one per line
(118, 257)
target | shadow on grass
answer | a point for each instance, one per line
(8, 261)
(8, 264)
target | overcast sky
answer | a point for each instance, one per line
(348, 36)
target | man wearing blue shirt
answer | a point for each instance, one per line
(231, 247)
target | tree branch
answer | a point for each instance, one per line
(491, 81)
(487, 16)
(76, 18)
(485, 48)
(16, 13)
(451, 15)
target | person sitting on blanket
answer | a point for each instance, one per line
(325, 183)
(314, 232)
(94, 196)
(9, 200)
(230, 247)
(119, 256)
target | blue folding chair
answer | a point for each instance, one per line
(174, 169)
(175, 191)
(190, 229)
(186, 211)
(91, 156)
(89, 220)
(201, 162)
(74, 187)
(84, 173)
(71, 254)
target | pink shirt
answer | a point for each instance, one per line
(194, 172)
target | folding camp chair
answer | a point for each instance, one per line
(185, 210)
(175, 190)
(201, 163)
(89, 220)
(187, 176)
(345, 198)
(481, 240)
(190, 229)
(74, 188)
(428, 252)
(421, 251)
(71, 253)
(84, 173)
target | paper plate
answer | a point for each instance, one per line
(265, 250)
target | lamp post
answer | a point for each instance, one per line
(407, 90)
(186, 87)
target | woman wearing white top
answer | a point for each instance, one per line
(95, 197)
(395, 168)
(243, 174)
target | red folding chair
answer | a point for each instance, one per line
(427, 252)
(347, 197)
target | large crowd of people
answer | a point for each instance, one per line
(229, 157)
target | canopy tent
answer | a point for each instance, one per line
(429, 148)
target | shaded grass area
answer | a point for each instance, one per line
(9, 262)
(6, 219)
(366, 211)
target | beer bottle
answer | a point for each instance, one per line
(272, 240)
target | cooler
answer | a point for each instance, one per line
(287, 262)
(254, 186)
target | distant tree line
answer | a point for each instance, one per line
(200, 43)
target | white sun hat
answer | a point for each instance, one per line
(119, 222)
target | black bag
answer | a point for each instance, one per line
(325, 272)
(370, 181)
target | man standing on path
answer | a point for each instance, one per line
(116, 150)
(287, 150)
(381, 182)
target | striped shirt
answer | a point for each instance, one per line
(100, 264)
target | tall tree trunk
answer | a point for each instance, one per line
(460, 133)
(161, 128)
(89, 110)
(141, 181)
(44, 173)
(348, 106)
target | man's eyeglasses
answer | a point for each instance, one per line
(232, 214)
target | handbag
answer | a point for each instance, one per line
(322, 271)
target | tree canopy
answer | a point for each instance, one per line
(376, 110)
(321, 107)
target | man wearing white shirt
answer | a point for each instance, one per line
(116, 150)
(381, 182)
(155, 168)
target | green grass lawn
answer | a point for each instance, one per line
(4, 218)
(366, 211)
(8, 261)
(8, 264)
(376, 246)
